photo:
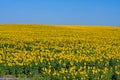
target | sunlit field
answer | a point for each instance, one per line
(51, 52)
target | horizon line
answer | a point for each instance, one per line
(54, 24)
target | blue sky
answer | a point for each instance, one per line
(75, 12)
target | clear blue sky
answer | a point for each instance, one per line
(79, 12)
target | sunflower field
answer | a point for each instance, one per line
(53, 52)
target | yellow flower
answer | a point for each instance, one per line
(51, 59)
(62, 70)
(83, 73)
